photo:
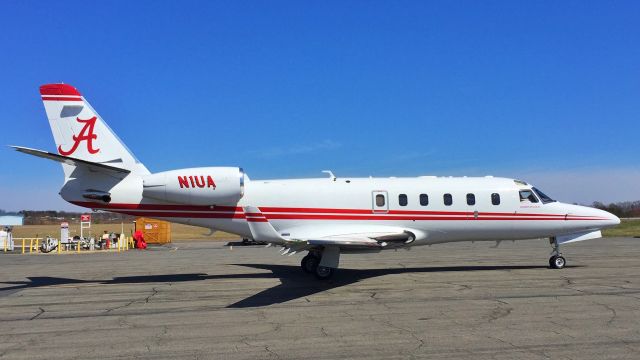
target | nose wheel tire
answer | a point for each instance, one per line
(324, 273)
(557, 262)
(310, 263)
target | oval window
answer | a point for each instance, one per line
(402, 199)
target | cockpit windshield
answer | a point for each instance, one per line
(545, 199)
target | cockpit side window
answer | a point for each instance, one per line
(545, 199)
(527, 195)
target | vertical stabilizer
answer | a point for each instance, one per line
(81, 133)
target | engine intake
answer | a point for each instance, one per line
(196, 186)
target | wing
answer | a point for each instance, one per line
(347, 237)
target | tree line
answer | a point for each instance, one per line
(48, 217)
(625, 209)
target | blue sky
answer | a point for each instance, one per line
(547, 91)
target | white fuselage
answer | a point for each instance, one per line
(313, 207)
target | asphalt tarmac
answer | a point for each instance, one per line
(199, 300)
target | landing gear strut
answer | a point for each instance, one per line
(322, 263)
(556, 261)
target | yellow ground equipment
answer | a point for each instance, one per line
(154, 231)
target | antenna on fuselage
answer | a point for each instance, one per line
(331, 176)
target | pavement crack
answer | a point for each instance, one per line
(324, 332)
(614, 314)
(271, 352)
(120, 307)
(461, 287)
(560, 325)
(38, 314)
(244, 341)
(159, 338)
(499, 313)
(146, 300)
(523, 349)
(155, 291)
(388, 323)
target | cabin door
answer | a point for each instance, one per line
(380, 201)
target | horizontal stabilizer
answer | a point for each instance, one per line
(112, 170)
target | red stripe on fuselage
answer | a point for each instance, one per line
(231, 212)
(169, 214)
(157, 206)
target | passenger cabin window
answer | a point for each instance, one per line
(448, 200)
(527, 195)
(402, 199)
(495, 199)
(424, 199)
(379, 200)
(471, 199)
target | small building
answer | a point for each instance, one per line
(6, 222)
(11, 220)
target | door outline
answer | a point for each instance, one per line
(379, 209)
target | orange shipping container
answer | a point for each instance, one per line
(155, 231)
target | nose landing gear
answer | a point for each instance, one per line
(556, 261)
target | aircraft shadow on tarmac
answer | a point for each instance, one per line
(294, 283)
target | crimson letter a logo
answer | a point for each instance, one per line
(86, 134)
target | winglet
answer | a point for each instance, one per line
(261, 229)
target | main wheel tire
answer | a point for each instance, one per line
(324, 273)
(309, 263)
(557, 262)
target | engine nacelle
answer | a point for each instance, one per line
(196, 186)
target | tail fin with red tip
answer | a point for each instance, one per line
(81, 133)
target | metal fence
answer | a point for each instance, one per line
(34, 245)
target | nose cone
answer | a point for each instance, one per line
(607, 219)
(590, 217)
(614, 220)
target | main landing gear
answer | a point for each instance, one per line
(556, 261)
(322, 263)
(310, 262)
